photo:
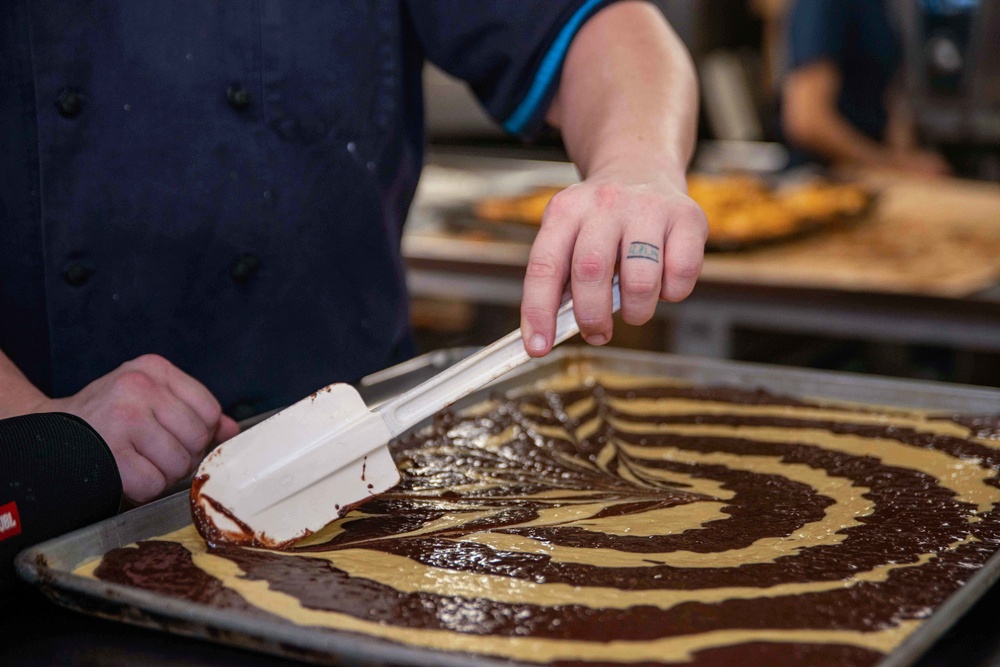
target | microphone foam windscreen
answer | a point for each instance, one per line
(56, 474)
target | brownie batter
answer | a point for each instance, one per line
(601, 518)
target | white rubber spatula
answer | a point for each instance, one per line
(312, 462)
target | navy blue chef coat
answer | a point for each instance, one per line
(859, 38)
(225, 183)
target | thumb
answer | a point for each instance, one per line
(226, 429)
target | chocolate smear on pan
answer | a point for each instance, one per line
(649, 524)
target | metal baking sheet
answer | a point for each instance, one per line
(50, 565)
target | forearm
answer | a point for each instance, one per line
(17, 395)
(627, 106)
(812, 120)
(832, 136)
(628, 94)
(900, 132)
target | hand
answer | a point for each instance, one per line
(650, 224)
(923, 163)
(157, 420)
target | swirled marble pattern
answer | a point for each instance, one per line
(604, 519)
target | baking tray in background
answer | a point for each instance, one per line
(50, 564)
(463, 219)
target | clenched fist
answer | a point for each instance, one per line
(157, 420)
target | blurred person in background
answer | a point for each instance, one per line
(841, 96)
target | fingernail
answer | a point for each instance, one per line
(597, 339)
(536, 342)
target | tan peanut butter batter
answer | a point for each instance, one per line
(605, 518)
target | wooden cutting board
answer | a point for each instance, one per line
(938, 238)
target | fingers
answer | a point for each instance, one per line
(183, 424)
(185, 388)
(546, 275)
(685, 253)
(141, 480)
(661, 258)
(161, 449)
(641, 274)
(594, 258)
(156, 419)
(659, 237)
(227, 429)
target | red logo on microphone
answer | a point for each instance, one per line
(10, 521)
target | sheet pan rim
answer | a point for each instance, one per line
(330, 646)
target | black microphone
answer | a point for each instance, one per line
(56, 474)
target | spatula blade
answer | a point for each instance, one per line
(297, 471)
(294, 473)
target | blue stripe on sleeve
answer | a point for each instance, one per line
(551, 63)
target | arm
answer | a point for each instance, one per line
(811, 120)
(156, 419)
(901, 130)
(19, 396)
(627, 108)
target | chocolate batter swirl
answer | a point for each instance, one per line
(611, 519)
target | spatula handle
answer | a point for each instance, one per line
(474, 372)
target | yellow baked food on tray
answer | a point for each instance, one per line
(742, 210)
(527, 208)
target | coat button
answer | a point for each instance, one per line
(244, 267)
(77, 273)
(238, 97)
(69, 103)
